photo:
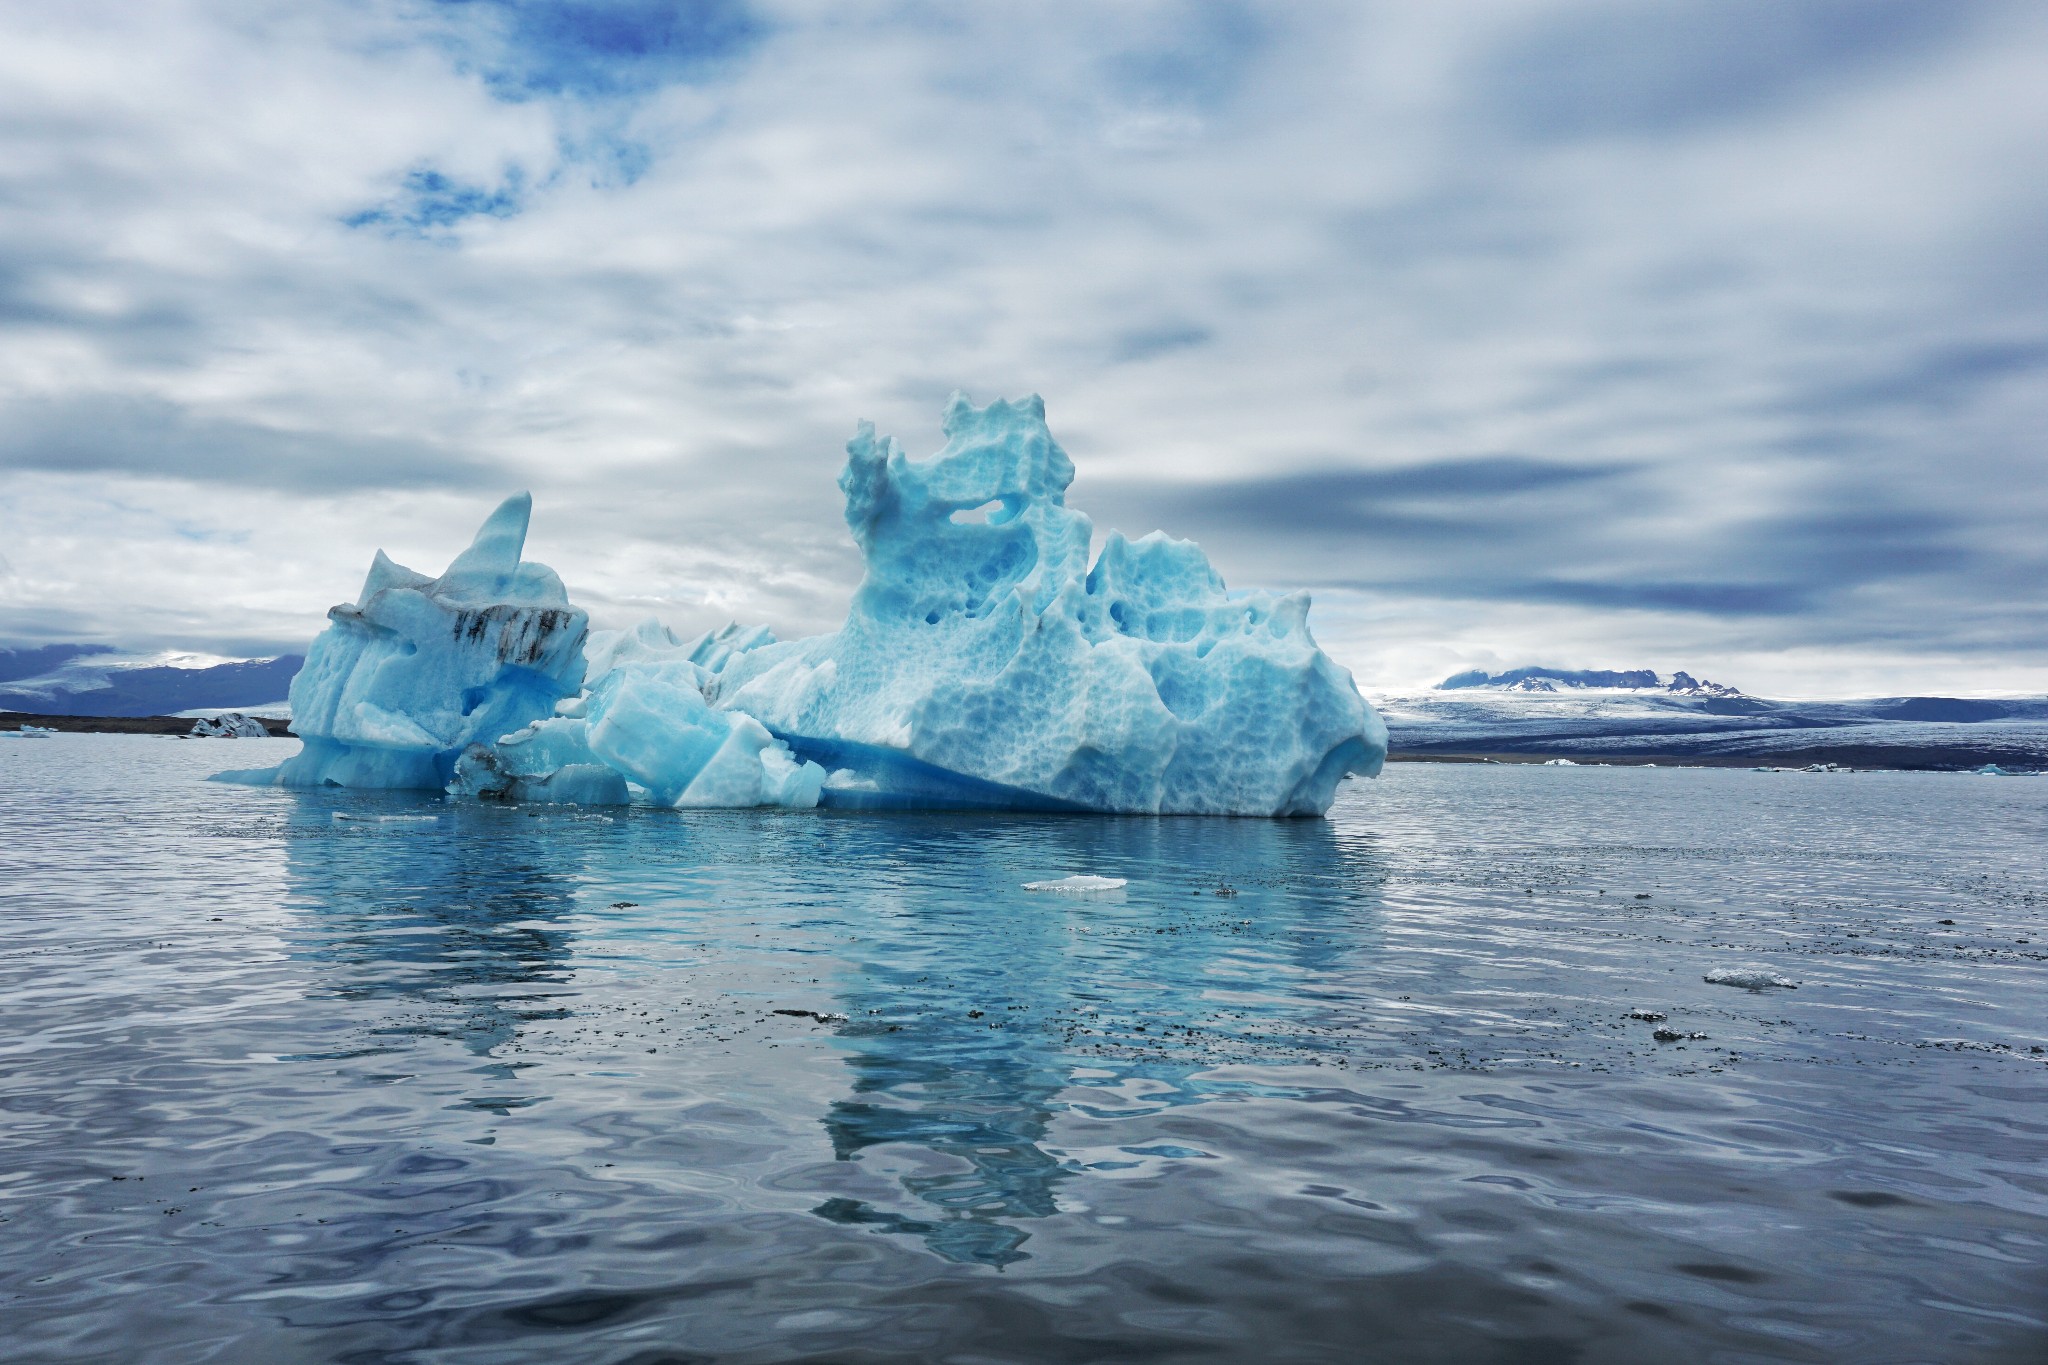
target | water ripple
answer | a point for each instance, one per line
(520, 1084)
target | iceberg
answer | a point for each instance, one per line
(1748, 978)
(548, 761)
(1080, 884)
(231, 725)
(646, 720)
(986, 663)
(417, 669)
(653, 724)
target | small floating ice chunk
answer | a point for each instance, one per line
(1080, 885)
(1988, 770)
(386, 819)
(1560, 763)
(1749, 978)
(229, 725)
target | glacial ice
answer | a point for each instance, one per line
(651, 722)
(646, 720)
(549, 761)
(1080, 884)
(1749, 978)
(988, 663)
(416, 669)
(231, 725)
(985, 663)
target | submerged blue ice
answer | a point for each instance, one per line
(985, 663)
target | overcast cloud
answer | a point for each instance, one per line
(1689, 335)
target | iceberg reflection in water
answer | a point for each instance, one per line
(532, 1084)
(460, 937)
(966, 1023)
(967, 1037)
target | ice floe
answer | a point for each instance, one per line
(1749, 978)
(1081, 884)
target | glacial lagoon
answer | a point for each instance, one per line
(379, 1077)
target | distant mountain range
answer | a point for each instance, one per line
(98, 680)
(1638, 714)
(1552, 679)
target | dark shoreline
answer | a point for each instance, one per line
(127, 725)
(1888, 757)
(1905, 758)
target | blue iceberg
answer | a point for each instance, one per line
(548, 761)
(986, 663)
(645, 720)
(982, 645)
(417, 669)
(648, 716)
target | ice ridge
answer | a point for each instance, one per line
(1541, 679)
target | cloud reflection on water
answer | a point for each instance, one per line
(454, 914)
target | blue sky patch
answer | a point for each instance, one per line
(430, 202)
(603, 49)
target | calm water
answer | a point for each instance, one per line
(508, 1085)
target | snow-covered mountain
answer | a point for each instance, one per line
(97, 680)
(1640, 714)
(1542, 679)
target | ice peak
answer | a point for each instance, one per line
(961, 416)
(487, 567)
(1005, 446)
(386, 572)
(418, 668)
(977, 525)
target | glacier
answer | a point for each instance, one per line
(987, 662)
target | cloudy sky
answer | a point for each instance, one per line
(1685, 335)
